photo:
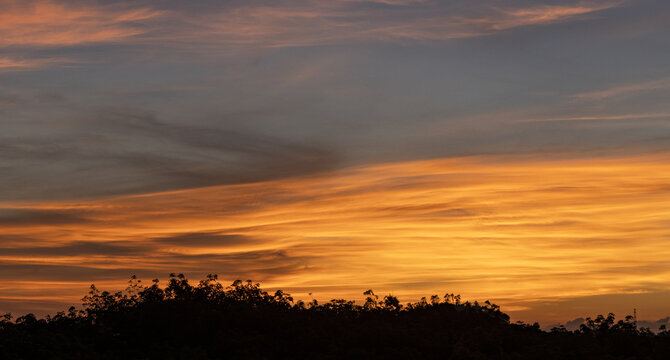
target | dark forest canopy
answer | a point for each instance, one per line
(243, 321)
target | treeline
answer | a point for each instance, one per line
(243, 321)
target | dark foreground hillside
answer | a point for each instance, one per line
(241, 321)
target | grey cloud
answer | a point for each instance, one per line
(205, 239)
(115, 153)
(15, 240)
(48, 272)
(567, 137)
(573, 325)
(9, 99)
(78, 248)
(256, 265)
(388, 103)
(654, 325)
(22, 217)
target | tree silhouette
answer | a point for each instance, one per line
(242, 321)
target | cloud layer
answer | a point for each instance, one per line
(280, 23)
(509, 150)
(486, 227)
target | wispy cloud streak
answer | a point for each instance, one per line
(282, 23)
(52, 23)
(626, 90)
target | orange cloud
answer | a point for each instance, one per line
(20, 64)
(327, 23)
(52, 23)
(517, 231)
(625, 90)
(13, 64)
(289, 23)
(548, 14)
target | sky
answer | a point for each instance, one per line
(517, 151)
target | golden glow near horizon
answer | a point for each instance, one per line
(516, 230)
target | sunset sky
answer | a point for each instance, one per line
(517, 151)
